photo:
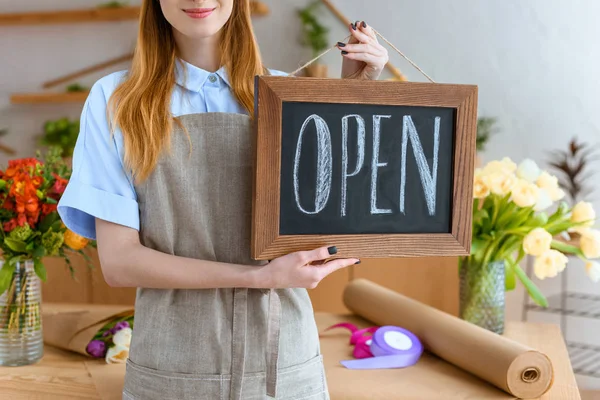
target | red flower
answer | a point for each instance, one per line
(60, 184)
(21, 219)
(48, 208)
(32, 220)
(9, 205)
(10, 225)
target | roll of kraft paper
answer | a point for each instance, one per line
(517, 369)
(392, 347)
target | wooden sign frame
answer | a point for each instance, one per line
(272, 91)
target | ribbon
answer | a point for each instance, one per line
(386, 347)
(358, 338)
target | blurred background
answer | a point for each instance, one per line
(536, 64)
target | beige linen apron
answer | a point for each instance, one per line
(217, 344)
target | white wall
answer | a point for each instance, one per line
(536, 63)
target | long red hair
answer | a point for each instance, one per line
(140, 105)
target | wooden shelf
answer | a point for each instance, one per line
(70, 16)
(49, 97)
(92, 15)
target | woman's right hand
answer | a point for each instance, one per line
(302, 269)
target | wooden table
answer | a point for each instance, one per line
(66, 376)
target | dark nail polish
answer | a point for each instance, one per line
(341, 44)
(364, 24)
(332, 250)
(344, 52)
(353, 26)
(358, 262)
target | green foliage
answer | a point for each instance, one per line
(113, 4)
(314, 34)
(76, 87)
(485, 129)
(61, 134)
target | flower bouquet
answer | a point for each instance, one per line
(96, 330)
(112, 341)
(31, 229)
(512, 219)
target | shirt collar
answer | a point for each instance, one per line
(193, 78)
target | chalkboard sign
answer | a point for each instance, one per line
(378, 169)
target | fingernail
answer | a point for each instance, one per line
(364, 24)
(358, 262)
(341, 44)
(332, 250)
(353, 26)
(344, 52)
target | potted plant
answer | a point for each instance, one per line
(485, 129)
(510, 220)
(62, 134)
(314, 36)
(31, 229)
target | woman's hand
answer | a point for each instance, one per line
(303, 269)
(364, 57)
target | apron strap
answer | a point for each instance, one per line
(238, 350)
(273, 330)
(238, 358)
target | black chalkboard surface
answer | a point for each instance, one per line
(348, 168)
(376, 168)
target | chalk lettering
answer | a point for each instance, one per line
(324, 164)
(360, 158)
(428, 177)
(375, 165)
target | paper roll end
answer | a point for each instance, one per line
(530, 375)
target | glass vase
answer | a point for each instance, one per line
(21, 339)
(482, 294)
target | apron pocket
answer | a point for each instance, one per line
(303, 381)
(143, 383)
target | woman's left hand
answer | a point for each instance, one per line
(364, 57)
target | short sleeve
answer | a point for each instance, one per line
(99, 186)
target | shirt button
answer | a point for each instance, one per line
(212, 78)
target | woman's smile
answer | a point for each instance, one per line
(199, 12)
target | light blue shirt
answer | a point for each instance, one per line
(100, 187)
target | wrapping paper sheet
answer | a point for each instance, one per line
(72, 326)
(512, 367)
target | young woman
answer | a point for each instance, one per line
(162, 176)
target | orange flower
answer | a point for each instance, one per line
(75, 241)
(37, 181)
(31, 205)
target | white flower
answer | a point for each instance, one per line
(499, 182)
(550, 184)
(584, 213)
(544, 200)
(480, 189)
(590, 243)
(528, 170)
(537, 242)
(506, 165)
(593, 270)
(549, 264)
(117, 355)
(123, 337)
(525, 194)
